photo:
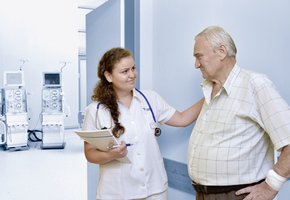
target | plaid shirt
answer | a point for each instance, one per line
(234, 138)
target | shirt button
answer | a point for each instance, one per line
(141, 169)
(138, 154)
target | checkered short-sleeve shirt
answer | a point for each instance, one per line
(234, 138)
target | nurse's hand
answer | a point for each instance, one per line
(119, 151)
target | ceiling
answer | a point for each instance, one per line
(90, 4)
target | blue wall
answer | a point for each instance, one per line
(261, 30)
(103, 31)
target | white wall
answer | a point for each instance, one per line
(261, 30)
(146, 44)
(109, 18)
(45, 34)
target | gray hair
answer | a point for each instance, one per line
(217, 36)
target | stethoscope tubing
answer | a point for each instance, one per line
(157, 129)
(151, 110)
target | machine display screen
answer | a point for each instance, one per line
(13, 78)
(52, 79)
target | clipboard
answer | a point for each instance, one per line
(102, 139)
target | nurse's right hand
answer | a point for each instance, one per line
(118, 152)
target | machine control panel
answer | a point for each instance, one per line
(15, 100)
(52, 100)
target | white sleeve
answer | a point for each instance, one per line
(162, 110)
(89, 118)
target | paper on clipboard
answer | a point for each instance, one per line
(101, 139)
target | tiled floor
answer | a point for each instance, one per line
(36, 174)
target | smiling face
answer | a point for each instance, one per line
(207, 59)
(123, 76)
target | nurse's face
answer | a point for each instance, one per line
(123, 76)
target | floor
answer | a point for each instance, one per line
(55, 174)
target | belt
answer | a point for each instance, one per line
(221, 189)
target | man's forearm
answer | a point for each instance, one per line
(282, 167)
(277, 176)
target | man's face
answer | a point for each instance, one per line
(206, 59)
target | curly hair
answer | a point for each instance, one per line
(104, 91)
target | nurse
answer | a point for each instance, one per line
(132, 116)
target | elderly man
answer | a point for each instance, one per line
(242, 122)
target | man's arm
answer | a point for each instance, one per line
(282, 167)
(264, 191)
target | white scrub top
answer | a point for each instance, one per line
(145, 175)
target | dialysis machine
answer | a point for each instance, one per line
(52, 112)
(14, 119)
(2, 122)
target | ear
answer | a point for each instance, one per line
(108, 76)
(222, 51)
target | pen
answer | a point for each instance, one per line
(115, 146)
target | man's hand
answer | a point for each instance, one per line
(260, 191)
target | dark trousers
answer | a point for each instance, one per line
(220, 196)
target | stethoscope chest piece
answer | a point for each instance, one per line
(157, 132)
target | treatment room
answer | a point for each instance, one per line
(50, 52)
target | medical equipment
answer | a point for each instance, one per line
(52, 112)
(52, 79)
(15, 110)
(2, 133)
(13, 79)
(2, 124)
(153, 125)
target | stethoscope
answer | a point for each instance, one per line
(153, 125)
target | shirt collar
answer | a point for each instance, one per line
(227, 87)
(137, 95)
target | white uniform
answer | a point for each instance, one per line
(145, 175)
